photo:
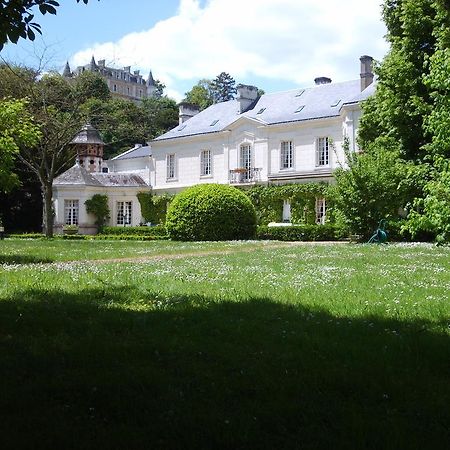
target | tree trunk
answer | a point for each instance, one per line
(47, 197)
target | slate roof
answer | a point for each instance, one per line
(76, 176)
(79, 176)
(320, 101)
(119, 179)
(136, 152)
(87, 135)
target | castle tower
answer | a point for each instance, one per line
(151, 85)
(92, 64)
(89, 147)
(67, 72)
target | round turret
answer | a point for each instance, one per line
(89, 148)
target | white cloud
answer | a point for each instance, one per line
(289, 40)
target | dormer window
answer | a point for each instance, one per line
(261, 111)
(214, 122)
(300, 109)
(335, 103)
(299, 93)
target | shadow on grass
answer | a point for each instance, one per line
(83, 372)
(23, 259)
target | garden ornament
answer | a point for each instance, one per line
(380, 236)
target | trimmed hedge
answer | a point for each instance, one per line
(211, 212)
(156, 231)
(327, 232)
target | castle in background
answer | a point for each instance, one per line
(121, 82)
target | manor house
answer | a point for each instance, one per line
(295, 136)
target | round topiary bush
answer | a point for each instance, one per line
(211, 212)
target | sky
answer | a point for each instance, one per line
(275, 45)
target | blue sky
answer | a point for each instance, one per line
(273, 44)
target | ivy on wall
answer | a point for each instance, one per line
(154, 208)
(268, 201)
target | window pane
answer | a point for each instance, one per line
(287, 155)
(205, 162)
(322, 151)
(171, 166)
(71, 212)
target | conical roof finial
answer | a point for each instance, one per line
(67, 73)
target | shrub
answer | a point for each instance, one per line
(328, 232)
(373, 187)
(211, 212)
(98, 206)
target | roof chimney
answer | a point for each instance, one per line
(322, 80)
(246, 95)
(187, 110)
(366, 71)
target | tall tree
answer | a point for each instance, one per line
(411, 106)
(201, 94)
(402, 98)
(16, 18)
(17, 131)
(223, 88)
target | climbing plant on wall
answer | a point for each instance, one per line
(154, 208)
(268, 201)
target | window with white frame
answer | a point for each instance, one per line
(170, 161)
(321, 209)
(287, 155)
(71, 212)
(124, 210)
(205, 163)
(322, 151)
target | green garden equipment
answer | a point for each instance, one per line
(380, 236)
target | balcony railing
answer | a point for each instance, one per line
(242, 175)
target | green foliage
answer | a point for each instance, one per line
(123, 123)
(402, 99)
(17, 130)
(432, 212)
(98, 206)
(154, 208)
(160, 115)
(268, 202)
(155, 231)
(211, 212)
(91, 85)
(223, 88)
(411, 107)
(305, 232)
(201, 94)
(16, 18)
(373, 187)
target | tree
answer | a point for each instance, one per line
(201, 94)
(373, 187)
(223, 88)
(91, 85)
(411, 105)
(16, 18)
(56, 111)
(17, 130)
(160, 115)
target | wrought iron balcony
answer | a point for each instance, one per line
(242, 175)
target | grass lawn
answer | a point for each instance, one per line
(223, 346)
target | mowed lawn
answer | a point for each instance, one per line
(242, 345)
